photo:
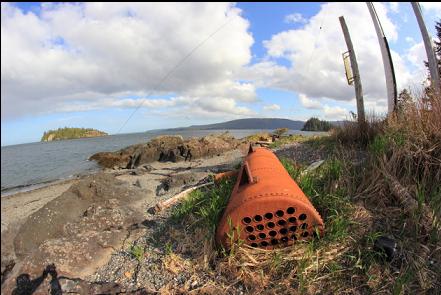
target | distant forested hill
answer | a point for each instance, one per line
(252, 123)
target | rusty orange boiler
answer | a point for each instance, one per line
(267, 208)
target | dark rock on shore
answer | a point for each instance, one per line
(175, 181)
(171, 148)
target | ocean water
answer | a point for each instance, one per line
(26, 166)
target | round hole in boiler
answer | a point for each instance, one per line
(293, 228)
(252, 237)
(304, 226)
(290, 210)
(294, 237)
(305, 234)
(271, 224)
(269, 215)
(258, 218)
(246, 220)
(281, 222)
(273, 233)
(262, 235)
(260, 227)
(292, 219)
(253, 245)
(279, 213)
(249, 229)
(284, 239)
(264, 243)
(302, 216)
(274, 242)
(283, 231)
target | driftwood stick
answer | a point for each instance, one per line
(429, 219)
(175, 199)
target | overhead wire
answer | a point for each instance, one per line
(318, 39)
(170, 72)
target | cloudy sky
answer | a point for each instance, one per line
(92, 65)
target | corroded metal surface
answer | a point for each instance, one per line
(267, 208)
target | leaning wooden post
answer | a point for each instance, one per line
(388, 65)
(433, 68)
(355, 72)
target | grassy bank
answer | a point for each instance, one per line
(295, 268)
(384, 180)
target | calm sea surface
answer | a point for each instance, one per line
(26, 166)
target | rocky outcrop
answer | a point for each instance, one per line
(78, 230)
(169, 148)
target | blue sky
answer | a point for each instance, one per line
(91, 65)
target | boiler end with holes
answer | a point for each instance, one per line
(267, 208)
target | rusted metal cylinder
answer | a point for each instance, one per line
(267, 208)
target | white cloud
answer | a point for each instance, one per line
(316, 68)
(91, 56)
(245, 91)
(180, 104)
(434, 7)
(224, 105)
(394, 7)
(309, 103)
(82, 54)
(271, 107)
(335, 113)
(416, 54)
(295, 18)
(410, 40)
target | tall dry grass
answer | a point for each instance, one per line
(402, 185)
(382, 180)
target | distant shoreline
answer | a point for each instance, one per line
(31, 182)
(12, 191)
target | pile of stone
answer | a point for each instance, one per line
(171, 148)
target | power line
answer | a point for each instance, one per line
(317, 39)
(174, 69)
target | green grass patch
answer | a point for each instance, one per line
(384, 143)
(137, 252)
(379, 145)
(206, 204)
(322, 142)
(288, 139)
(319, 186)
(402, 281)
(259, 136)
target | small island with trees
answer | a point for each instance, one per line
(315, 124)
(71, 133)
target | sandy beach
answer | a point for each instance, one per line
(147, 184)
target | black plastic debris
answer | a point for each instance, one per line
(386, 246)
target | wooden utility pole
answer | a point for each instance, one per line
(433, 67)
(389, 72)
(355, 72)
